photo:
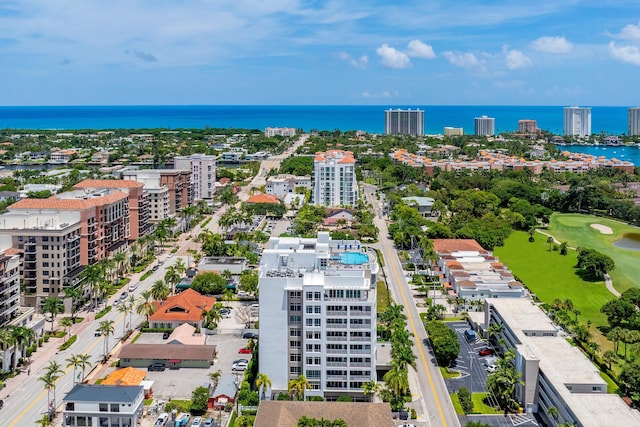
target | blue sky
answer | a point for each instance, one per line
(336, 52)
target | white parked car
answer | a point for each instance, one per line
(239, 366)
(162, 419)
(197, 422)
(492, 368)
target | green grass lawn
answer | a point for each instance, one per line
(382, 296)
(576, 229)
(550, 275)
(479, 407)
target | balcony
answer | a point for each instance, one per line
(336, 351)
(338, 364)
(356, 326)
(360, 352)
(336, 377)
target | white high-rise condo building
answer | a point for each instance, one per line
(634, 121)
(318, 314)
(203, 173)
(577, 121)
(485, 126)
(404, 122)
(334, 178)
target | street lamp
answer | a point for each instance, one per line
(237, 384)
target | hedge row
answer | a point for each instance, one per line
(103, 312)
(68, 343)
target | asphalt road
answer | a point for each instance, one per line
(28, 403)
(433, 391)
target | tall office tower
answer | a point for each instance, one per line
(404, 122)
(318, 314)
(485, 126)
(203, 173)
(527, 126)
(334, 178)
(634, 121)
(577, 121)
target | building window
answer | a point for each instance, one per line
(294, 344)
(309, 296)
(295, 357)
(103, 407)
(295, 370)
(295, 333)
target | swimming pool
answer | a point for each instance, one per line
(351, 258)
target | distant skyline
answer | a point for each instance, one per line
(336, 52)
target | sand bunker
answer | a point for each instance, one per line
(602, 228)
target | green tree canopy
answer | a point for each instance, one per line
(209, 283)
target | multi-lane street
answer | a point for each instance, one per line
(28, 402)
(433, 391)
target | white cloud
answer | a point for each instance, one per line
(419, 49)
(515, 59)
(629, 53)
(393, 58)
(552, 44)
(629, 32)
(463, 59)
(383, 94)
(360, 62)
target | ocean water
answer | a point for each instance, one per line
(369, 118)
(610, 120)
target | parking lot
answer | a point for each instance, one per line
(473, 375)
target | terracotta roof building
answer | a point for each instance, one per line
(334, 178)
(282, 413)
(185, 307)
(138, 201)
(473, 272)
(263, 198)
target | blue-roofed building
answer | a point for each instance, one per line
(103, 405)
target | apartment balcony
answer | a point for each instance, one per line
(356, 326)
(360, 352)
(363, 378)
(361, 313)
(360, 365)
(338, 339)
(360, 339)
(336, 326)
(336, 351)
(336, 377)
(30, 257)
(337, 364)
(336, 313)
(30, 266)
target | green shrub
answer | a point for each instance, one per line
(146, 275)
(464, 396)
(103, 312)
(344, 398)
(68, 343)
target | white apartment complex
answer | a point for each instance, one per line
(203, 173)
(318, 314)
(286, 132)
(577, 121)
(555, 373)
(283, 184)
(334, 174)
(451, 131)
(634, 121)
(404, 122)
(484, 126)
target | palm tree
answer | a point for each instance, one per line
(495, 329)
(160, 290)
(402, 355)
(120, 259)
(227, 295)
(550, 241)
(93, 274)
(263, 382)
(172, 277)
(371, 388)
(610, 357)
(50, 378)
(146, 306)
(397, 380)
(180, 266)
(81, 361)
(211, 317)
(215, 377)
(6, 340)
(124, 309)
(106, 327)
(53, 306)
(66, 323)
(298, 387)
(75, 294)
(21, 336)
(45, 421)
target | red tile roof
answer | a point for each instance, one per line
(263, 198)
(108, 183)
(187, 306)
(55, 202)
(453, 245)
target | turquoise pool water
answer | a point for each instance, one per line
(351, 258)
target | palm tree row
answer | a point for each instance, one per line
(503, 382)
(393, 326)
(18, 338)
